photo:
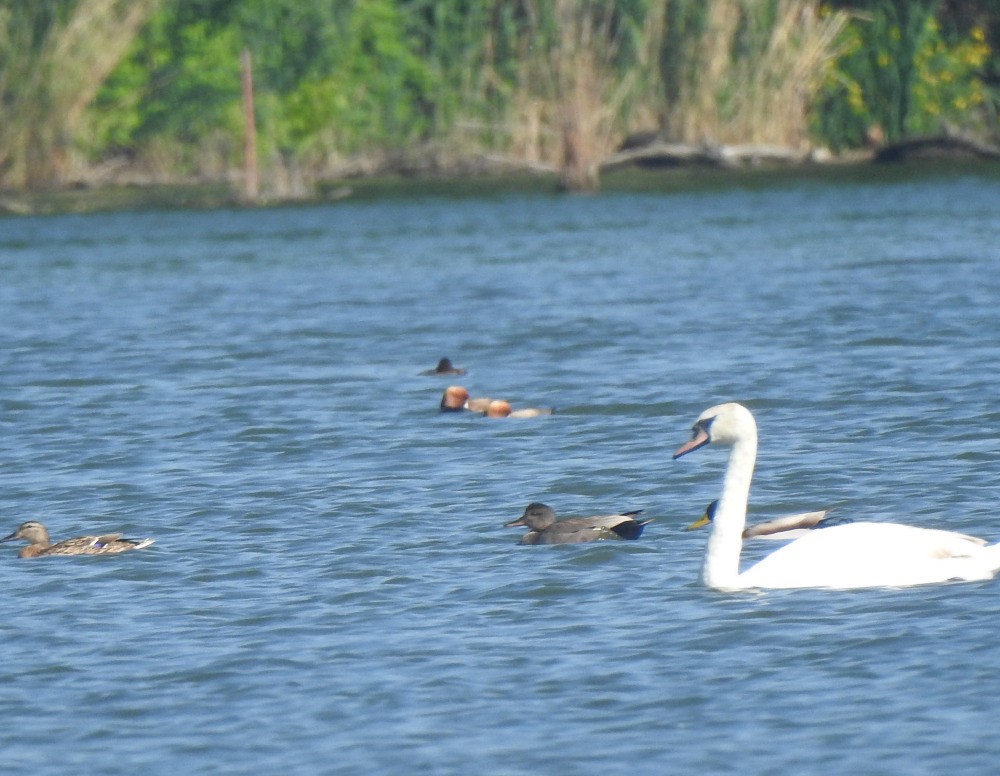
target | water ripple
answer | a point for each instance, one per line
(332, 588)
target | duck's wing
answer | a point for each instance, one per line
(79, 545)
(623, 525)
(96, 545)
(114, 543)
(785, 523)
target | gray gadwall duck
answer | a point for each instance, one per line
(456, 399)
(445, 367)
(37, 537)
(502, 409)
(783, 528)
(545, 528)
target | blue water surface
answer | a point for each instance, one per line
(331, 589)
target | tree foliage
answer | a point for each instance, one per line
(905, 73)
(555, 83)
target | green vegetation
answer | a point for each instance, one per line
(150, 91)
(901, 74)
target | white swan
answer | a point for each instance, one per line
(843, 556)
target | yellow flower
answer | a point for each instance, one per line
(975, 56)
(855, 97)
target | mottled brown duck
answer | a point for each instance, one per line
(39, 544)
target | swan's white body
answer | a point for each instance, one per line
(853, 555)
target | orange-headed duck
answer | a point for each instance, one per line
(502, 409)
(456, 399)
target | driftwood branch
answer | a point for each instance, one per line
(948, 145)
(657, 153)
(662, 154)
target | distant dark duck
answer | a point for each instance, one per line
(445, 367)
(37, 537)
(783, 528)
(545, 528)
(502, 409)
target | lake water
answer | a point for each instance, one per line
(331, 589)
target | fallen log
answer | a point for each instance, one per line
(944, 146)
(663, 154)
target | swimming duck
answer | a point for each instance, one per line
(545, 528)
(456, 399)
(502, 409)
(478, 404)
(782, 528)
(37, 537)
(445, 367)
(854, 555)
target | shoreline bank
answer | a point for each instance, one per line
(656, 169)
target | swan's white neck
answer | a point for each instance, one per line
(725, 542)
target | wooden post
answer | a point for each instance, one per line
(250, 181)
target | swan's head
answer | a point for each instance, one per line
(724, 424)
(454, 398)
(536, 516)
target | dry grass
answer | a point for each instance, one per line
(570, 104)
(751, 76)
(57, 81)
(747, 78)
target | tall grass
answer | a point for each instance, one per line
(57, 55)
(726, 71)
(552, 83)
(592, 85)
(745, 71)
(580, 66)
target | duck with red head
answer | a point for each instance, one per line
(456, 399)
(502, 409)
